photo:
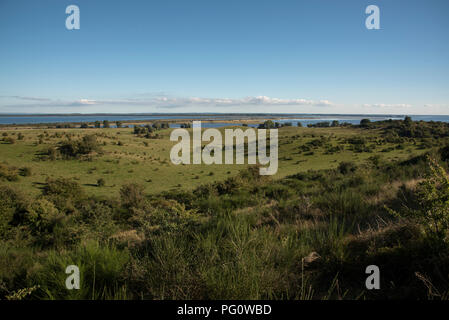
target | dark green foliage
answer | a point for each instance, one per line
(269, 124)
(25, 171)
(323, 124)
(335, 123)
(62, 187)
(72, 149)
(8, 173)
(432, 196)
(365, 123)
(132, 195)
(101, 182)
(346, 167)
(186, 125)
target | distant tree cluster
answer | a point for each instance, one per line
(327, 124)
(407, 128)
(149, 130)
(64, 125)
(270, 124)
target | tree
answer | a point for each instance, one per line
(335, 123)
(118, 124)
(408, 121)
(97, 124)
(365, 122)
(106, 124)
(269, 124)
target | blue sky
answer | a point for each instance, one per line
(313, 56)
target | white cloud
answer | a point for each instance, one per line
(161, 102)
(247, 101)
(386, 105)
(173, 102)
(27, 98)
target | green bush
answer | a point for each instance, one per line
(132, 195)
(432, 194)
(8, 173)
(25, 171)
(72, 149)
(346, 167)
(101, 182)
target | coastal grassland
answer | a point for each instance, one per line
(126, 157)
(303, 234)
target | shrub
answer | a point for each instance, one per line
(71, 149)
(278, 191)
(101, 182)
(88, 144)
(63, 187)
(9, 140)
(432, 195)
(8, 173)
(346, 167)
(132, 195)
(11, 202)
(42, 216)
(25, 171)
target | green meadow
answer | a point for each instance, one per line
(126, 157)
(110, 201)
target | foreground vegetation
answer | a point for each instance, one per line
(344, 198)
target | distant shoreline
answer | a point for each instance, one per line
(52, 120)
(197, 114)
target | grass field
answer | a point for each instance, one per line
(110, 201)
(147, 161)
